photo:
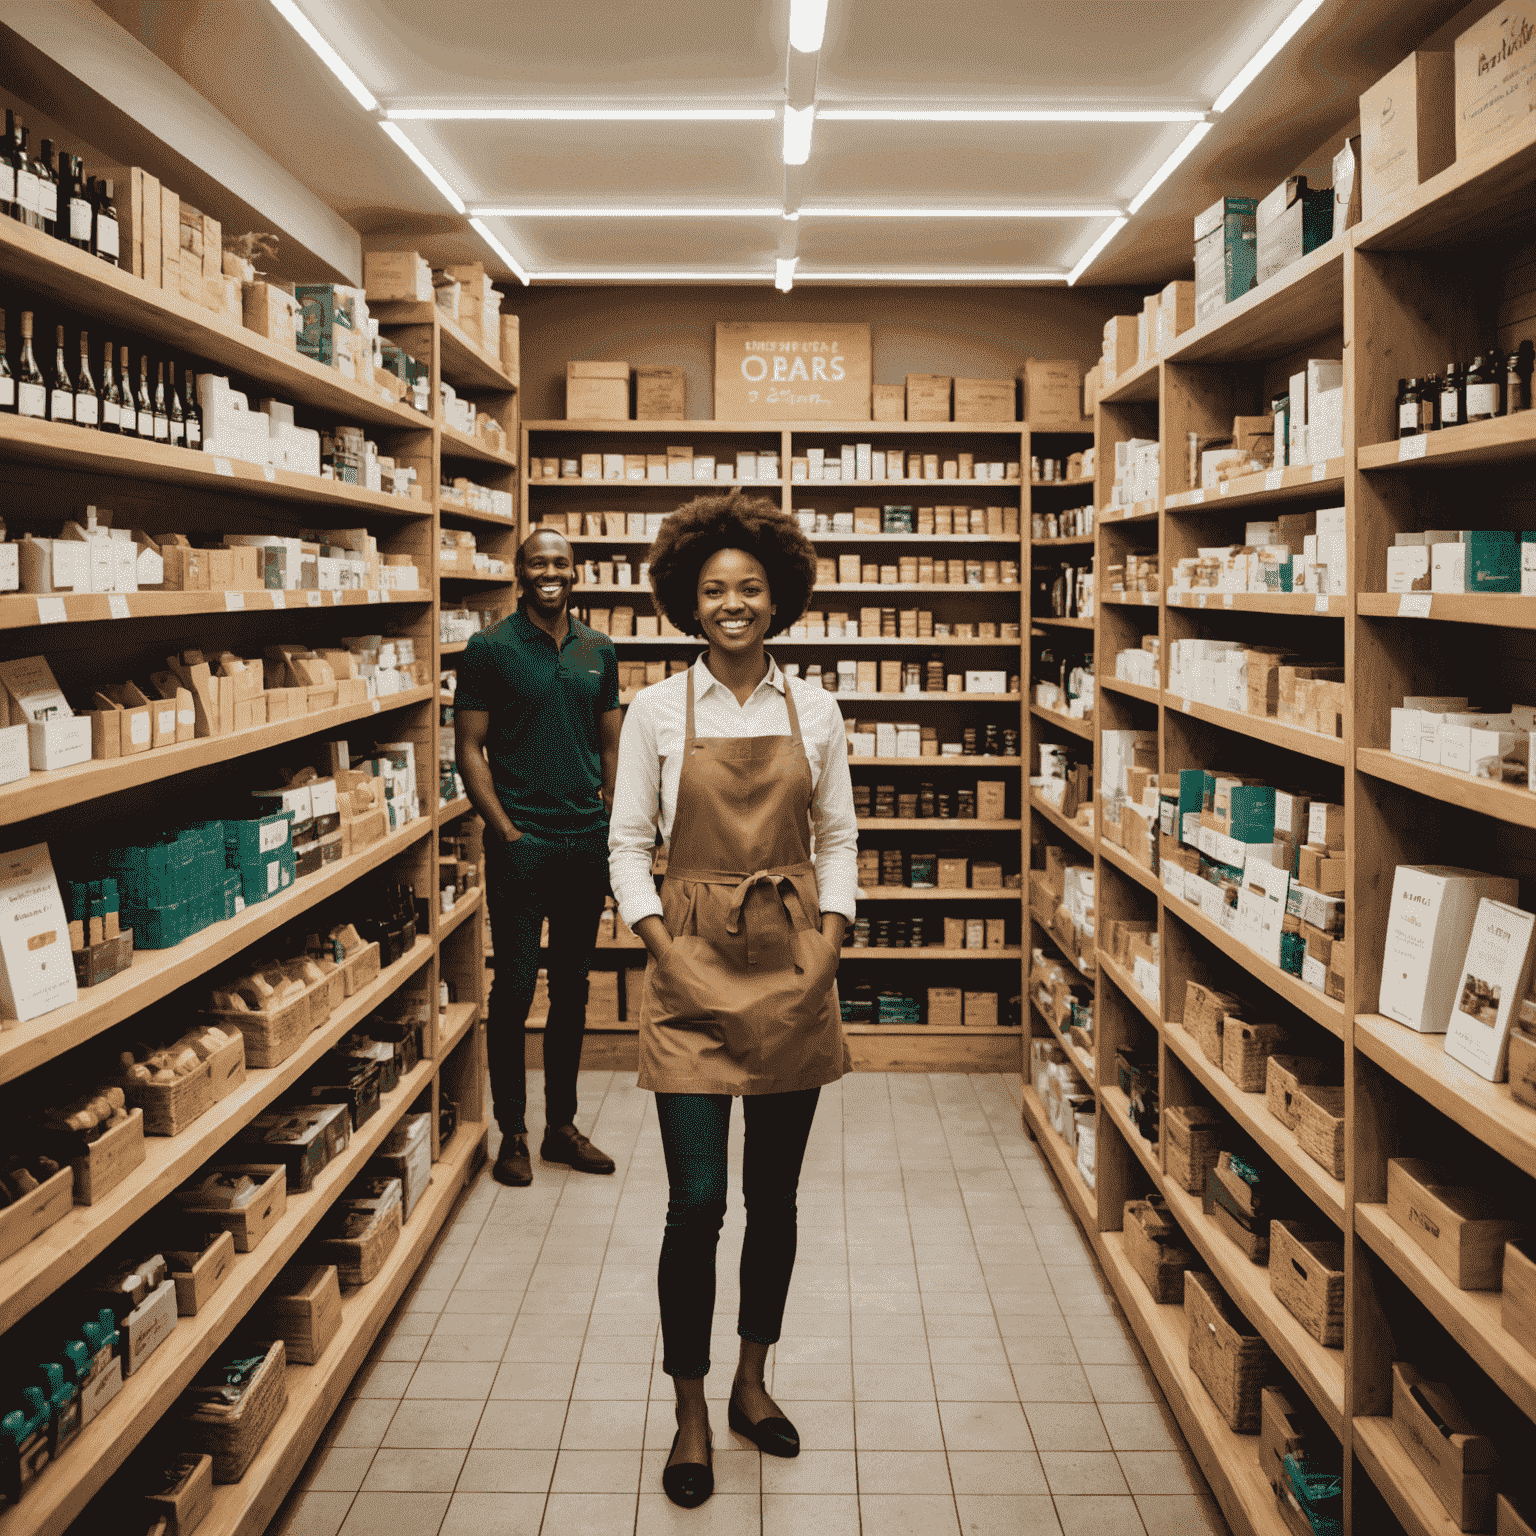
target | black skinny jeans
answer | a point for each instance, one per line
(693, 1137)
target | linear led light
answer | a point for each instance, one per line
(624, 211)
(327, 55)
(1091, 254)
(480, 229)
(959, 213)
(1260, 61)
(784, 273)
(424, 165)
(603, 275)
(1009, 114)
(807, 24)
(1170, 165)
(931, 277)
(582, 114)
(797, 134)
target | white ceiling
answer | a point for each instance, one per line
(969, 54)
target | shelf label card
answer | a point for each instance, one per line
(1273, 479)
(51, 610)
(117, 605)
(313, 599)
(384, 595)
(279, 599)
(269, 472)
(1414, 605)
(1147, 599)
(1226, 599)
(1201, 597)
(1226, 487)
(1321, 603)
(1184, 706)
(1411, 447)
(336, 598)
(234, 602)
(375, 706)
(1320, 471)
(223, 467)
(373, 594)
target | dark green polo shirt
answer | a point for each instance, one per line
(544, 706)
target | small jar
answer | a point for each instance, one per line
(1485, 387)
(1453, 405)
(1416, 407)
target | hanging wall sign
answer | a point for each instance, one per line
(785, 370)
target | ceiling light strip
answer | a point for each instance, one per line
(812, 212)
(773, 211)
(480, 229)
(931, 277)
(424, 165)
(1170, 165)
(327, 55)
(1009, 114)
(1092, 253)
(798, 122)
(581, 114)
(807, 24)
(624, 211)
(784, 273)
(753, 276)
(1261, 60)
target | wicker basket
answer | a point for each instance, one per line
(1231, 1362)
(1320, 1126)
(1306, 1273)
(1245, 1048)
(1193, 1137)
(1152, 1245)
(1283, 1075)
(270, 1038)
(233, 1436)
(1205, 1013)
(169, 1108)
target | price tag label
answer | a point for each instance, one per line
(117, 606)
(1226, 487)
(313, 599)
(50, 610)
(1320, 471)
(1200, 597)
(223, 467)
(1184, 706)
(384, 595)
(279, 599)
(234, 602)
(1226, 599)
(269, 472)
(336, 598)
(1411, 447)
(1147, 599)
(375, 706)
(1273, 479)
(1414, 605)
(373, 594)
(1321, 605)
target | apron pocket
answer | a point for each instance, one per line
(682, 992)
(818, 960)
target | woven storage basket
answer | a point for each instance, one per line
(1283, 1076)
(1232, 1364)
(1320, 1126)
(1205, 1013)
(233, 1436)
(1245, 1048)
(1153, 1245)
(1306, 1273)
(1193, 1138)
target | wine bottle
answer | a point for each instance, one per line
(176, 419)
(193, 413)
(48, 186)
(8, 168)
(128, 420)
(61, 388)
(28, 190)
(87, 405)
(162, 418)
(7, 379)
(104, 240)
(31, 392)
(111, 399)
(146, 406)
(80, 210)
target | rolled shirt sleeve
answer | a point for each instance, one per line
(835, 823)
(635, 816)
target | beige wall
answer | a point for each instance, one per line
(969, 332)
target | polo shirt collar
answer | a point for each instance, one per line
(704, 680)
(527, 630)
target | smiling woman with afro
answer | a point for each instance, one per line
(705, 526)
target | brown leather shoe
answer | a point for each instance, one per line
(566, 1144)
(513, 1165)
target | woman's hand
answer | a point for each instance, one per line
(833, 928)
(653, 934)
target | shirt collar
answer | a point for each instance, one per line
(704, 680)
(528, 630)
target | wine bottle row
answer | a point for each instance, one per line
(110, 404)
(58, 199)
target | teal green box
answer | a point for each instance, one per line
(251, 842)
(1251, 813)
(1197, 791)
(1493, 560)
(157, 927)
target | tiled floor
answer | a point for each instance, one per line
(951, 1356)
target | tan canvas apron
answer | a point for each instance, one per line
(744, 1001)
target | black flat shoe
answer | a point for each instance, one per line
(513, 1166)
(773, 1437)
(688, 1483)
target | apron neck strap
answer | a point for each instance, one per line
(688, 725)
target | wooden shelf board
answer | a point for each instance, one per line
(1062, 1162)
(1131, 690)
(900, 482)
(837, 642)
(1043, 924)
(467, 365)
(1303, 301)
(1488, 1110)
(484, 579)
(1398, 1479)
(1317, 1006)
(1279, 1142)
(934, 824)
(912, 538)
(1296, 482)
(1499, 440)
(111, 296)
(461, 445)
(1512, 803)
(1133, 994)
(1080, 835)
(1053, 485)
(1137, 512)
(20, 610)
(875, 953)
(925, 763)
(904, 893)
(1326, 749)
(452, 647)
(1086, 1067)
(931, 696)
(1133, 599)
(1062, 543)
(930, 588)
(1471, 1317)
(1291, 603)
(452, 1027)
(1083, 728)
(1061, 623)
(60, 788)
(68, 1484)
(1141, 383)
(474, 515)
(798, 428)
(463, 909)
(1318, 1371)
(1509, 610)
(929, 1032)
(454, 808)
(1117, 1107)
(676, 487)
(1128, 866)
(156, 973)
(315, 1391)
(36, 1271)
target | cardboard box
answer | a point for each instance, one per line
(184, 1504)
(928, 396)
(981, 1010)
(1119, 349)
(1226, 253)
(1053, 393)
(1463, 1230)
(945, 1009)
(1457, 1460)
(1495, 77)
(661, 394)
(888, 403)
(1293, 220)
(302, 1307)
(596, 391)
(1407, 128)
(391, 276)
(1175, 313)
(37, 973)
(985, 400)
(270, 311)
(196, 1283)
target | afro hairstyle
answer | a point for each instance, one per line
(708, 524)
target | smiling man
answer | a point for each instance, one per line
(536, 722)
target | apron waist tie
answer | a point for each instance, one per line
(775, 879)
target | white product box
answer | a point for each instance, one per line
(1408, 568)
(815, 459)
(849, 456)
(885, 739)
(1494, 753)
(1448, 568)
(986, 682)
(56, 738)
(15, 754)
(613, 466)
(1405, 732)
(1527, 568)
(1455, 737)
(37, 972)
(1494, 976)
(1428, 925)
(1325, 424)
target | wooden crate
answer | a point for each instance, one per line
(1456, 1459)
(271, 1038)
(1206, 1012)
(1283, 1076)
(1153, 1248)
(1234, 1216)
(1192, 1135)
(183, 1505)
(258, 1216)
(233, 1436)
(1231, 1362)
(1306, 1273)
(1518, 1312)
(1320, 1126)
(34, 1213)
(108, 1160)
(303, 1308)
(169, 1108)
(1245, 1048)
(359, 969)
(1522, 1066)
(197, 1283)
(1463, 1230)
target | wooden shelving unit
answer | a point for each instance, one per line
(102, 640)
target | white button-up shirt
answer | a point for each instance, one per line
(651, 762)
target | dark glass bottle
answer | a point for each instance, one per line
(105, 241)
(175, 419)
(87, 402)
(81, 214)
(193, 413)
(31, 390)
(8, 168)
(162, 416)
(1453, 405)
(129, 417)
(111, 397)
(48, 187)
(28, 189)
(146, 406)
(7, 379)
(1485, 387)
(1410, 407)
(1517, 379)
(61, 388)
